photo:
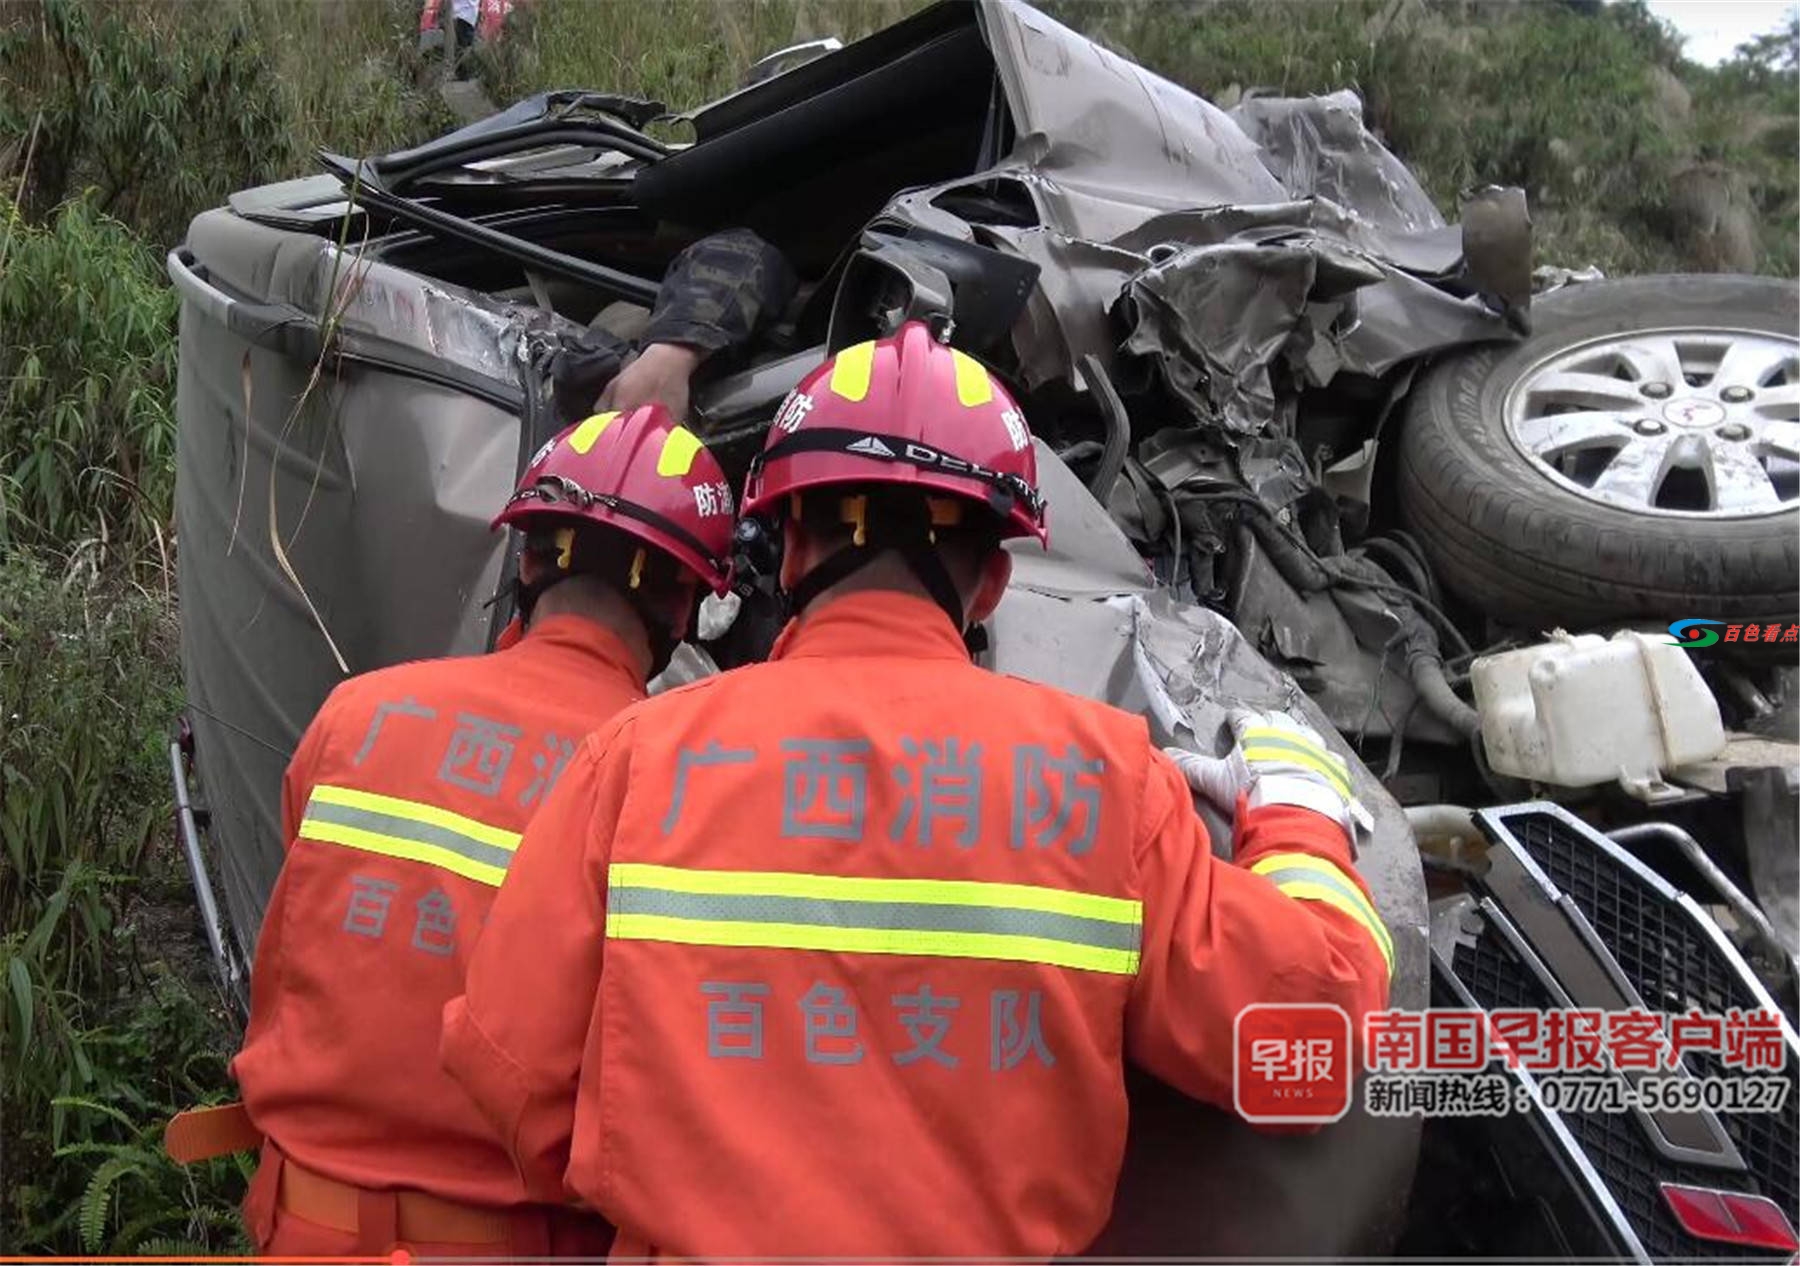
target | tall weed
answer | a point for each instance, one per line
(94, 1178)
(100, 1041)
(165, 107)
(683, 53)
(87, 378)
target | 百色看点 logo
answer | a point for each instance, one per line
(1699, 634)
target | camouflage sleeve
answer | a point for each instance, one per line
(720, 291)
(582, 365)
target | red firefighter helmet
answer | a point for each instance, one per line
(904, 410)
(639, 472)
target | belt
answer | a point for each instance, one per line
(418, 1216)
(203, 1133)
(398, 1215)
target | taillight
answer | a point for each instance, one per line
(1731, 1217)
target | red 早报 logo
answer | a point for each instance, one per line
(1291, 1063)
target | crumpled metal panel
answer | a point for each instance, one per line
(1218, 317)
(1434, 252)
(459, 327)
(1126, 168)
(1088, 557)
(1110, 139)
(1318, 147)
(1068, 315)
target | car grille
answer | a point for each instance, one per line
(1674, 966)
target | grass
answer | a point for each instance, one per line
(163, 107)
(104, 1034)
(682, 52)
(87, 419)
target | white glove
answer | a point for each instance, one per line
(1277, 760)
(717, 615)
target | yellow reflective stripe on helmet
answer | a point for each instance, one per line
(678, 452)
(851, 371)
(973, 386)
(1308, 878)
(408, 830)
(853, 888)
(582, 438)
(927, 918)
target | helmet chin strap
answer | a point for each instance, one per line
(525, 596)
(662, 642)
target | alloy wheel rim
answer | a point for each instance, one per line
(1686, 423)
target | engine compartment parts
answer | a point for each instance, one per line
(1578, 711)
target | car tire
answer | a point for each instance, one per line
(1497, 458)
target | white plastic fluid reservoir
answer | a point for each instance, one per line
(1579, 711)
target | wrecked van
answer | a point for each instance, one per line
(1306, 444)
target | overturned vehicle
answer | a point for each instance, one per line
(1305, 445)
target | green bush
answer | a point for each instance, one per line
(99, 1048)
(87, 356)
(165, 107)
(98, 1181)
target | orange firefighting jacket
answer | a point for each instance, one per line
(842, 954)
(402, 807)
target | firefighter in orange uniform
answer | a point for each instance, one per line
(403, 806)
(841, 954)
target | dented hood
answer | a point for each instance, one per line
(1154, 208)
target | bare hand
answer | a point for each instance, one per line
(657, 375)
